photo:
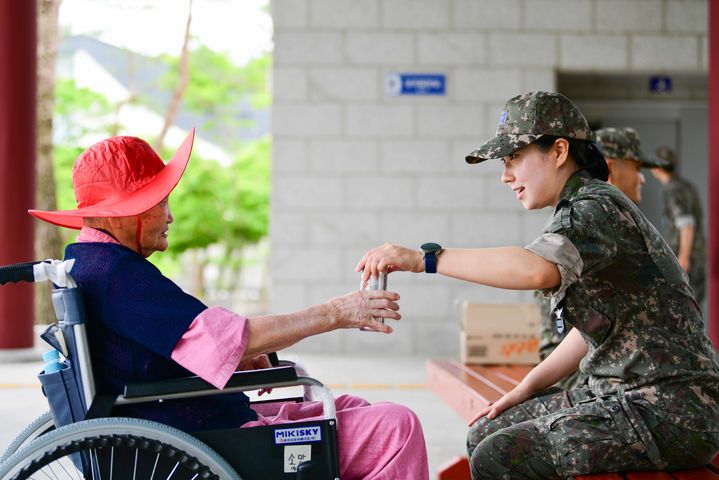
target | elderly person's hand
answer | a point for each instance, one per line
(361, 309)
(257, 362)
(390, 258)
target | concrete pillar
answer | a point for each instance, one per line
(17, 164)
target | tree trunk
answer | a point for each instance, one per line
(48, 243)
(176, 99)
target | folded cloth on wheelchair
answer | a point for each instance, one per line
(135, 318)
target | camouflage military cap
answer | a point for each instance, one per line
(624, 143)
(667, 156)
(527, 117)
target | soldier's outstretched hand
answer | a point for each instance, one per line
(390, 258)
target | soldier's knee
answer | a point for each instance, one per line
(511, 454)
(481, 429)
(485, 459)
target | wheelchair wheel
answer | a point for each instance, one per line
(117, 448)
(41, 425)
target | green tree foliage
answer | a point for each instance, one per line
(73, 103)
(217, 86)
(249, 195)
(64, 158)
(221, 205)
(69, 99)
(197, 206)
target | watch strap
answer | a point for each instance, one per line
(430, 262)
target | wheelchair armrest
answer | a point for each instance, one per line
(196, 384)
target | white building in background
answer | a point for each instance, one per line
(355, 166)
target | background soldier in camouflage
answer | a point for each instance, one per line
(683, 220)
(623, 153)
(652, 399)
(624, 156)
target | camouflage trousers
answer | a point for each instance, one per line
(560, 434)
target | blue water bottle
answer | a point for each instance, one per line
(52, 361)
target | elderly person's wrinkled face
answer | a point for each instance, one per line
(155, 225)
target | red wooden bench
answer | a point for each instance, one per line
(468, 388)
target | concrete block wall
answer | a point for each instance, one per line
(354, 167)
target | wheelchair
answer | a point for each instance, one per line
(79, 439)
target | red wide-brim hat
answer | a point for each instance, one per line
(120, 177)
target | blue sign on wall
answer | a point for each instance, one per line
(416, 83)
(660, 84)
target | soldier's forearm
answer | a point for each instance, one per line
(513, 268)
(559, 364)
(686, 242)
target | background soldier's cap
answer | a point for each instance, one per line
(624, 143)
(667, 156)
(527, 117)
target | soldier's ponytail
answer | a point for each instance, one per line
(585, 153)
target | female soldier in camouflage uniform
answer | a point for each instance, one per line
(652, 399)
(624, 156)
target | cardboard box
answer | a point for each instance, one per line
(500, 333)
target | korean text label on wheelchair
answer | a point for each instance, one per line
(79, 439)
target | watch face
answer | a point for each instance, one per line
(430, 247)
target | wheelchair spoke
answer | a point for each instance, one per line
(134, 468)
(65, 470)
(45, 473)
(52, 471)
(173, 471)
(112, 460)
(152, 475)
(97, 462)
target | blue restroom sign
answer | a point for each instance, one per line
(416, 83)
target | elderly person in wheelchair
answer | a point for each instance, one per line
(141, 326)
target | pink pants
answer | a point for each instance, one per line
(381, 441)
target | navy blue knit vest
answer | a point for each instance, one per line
(135, 317)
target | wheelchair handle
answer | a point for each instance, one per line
(18, 272)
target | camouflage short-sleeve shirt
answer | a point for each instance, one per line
(623, 288)
(683, 207)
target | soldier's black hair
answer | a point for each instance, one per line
(586, 154)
